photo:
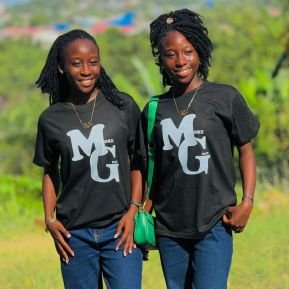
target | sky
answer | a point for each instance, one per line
(13, 2)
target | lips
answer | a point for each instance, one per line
(87, 82)
(183, 73)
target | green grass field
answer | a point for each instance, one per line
(261, 254)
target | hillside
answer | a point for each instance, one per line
(44, 12)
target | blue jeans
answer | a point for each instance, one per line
(94, 251)
(197, 264)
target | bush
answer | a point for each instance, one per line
(21, 203)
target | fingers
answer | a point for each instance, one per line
(226, 220)
(239, 230)
(58, 233)
(228, 216)
(127, 240)
(119, 229)
(61, 252)
(64, 231)
(232, 219)
(63, 249)
(64, 245)
(129, 245)
(62, 240)
(120, 242)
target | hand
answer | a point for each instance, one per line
(126, 224)
(59, 233)
(237, 216)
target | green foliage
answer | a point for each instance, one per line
(18, 124)
(20, 64)
(39, 19)
(150, 76)
(269, 99)
(243, 40)
(20, 203)
(117, 52)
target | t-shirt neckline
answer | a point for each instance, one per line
(186, 94)
(85, 106)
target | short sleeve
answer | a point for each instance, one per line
(139, 155)
(44, 155)
(133, 115)
(141, 136)
(245, 125)
(136, 146)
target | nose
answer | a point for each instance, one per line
(180, 60)
(85, 69)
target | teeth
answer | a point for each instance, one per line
(86, 82)
(183, 71)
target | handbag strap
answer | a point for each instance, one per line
(152, 109)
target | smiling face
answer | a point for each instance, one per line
(81, 67)
(180, 61)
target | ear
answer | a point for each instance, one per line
(60, 69)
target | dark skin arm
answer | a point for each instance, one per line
(239, 214)
(126, 223)
(50, 184)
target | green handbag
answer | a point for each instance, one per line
(144, 231)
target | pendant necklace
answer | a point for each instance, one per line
(88, 124)
(185, 111)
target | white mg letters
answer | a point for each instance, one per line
(186, 129)
(79, 141)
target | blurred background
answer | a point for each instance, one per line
(251, 52)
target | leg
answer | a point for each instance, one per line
(212, 259)
(82, 271)
(175, 260)
(119, 272)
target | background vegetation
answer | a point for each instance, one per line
(249, 38)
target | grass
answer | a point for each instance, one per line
(261, 254)
(261, 258)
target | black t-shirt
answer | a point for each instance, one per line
(194, 174)
(94, 163)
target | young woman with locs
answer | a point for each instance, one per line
(88, 132)
(198, 123)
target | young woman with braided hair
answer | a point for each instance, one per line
(88, 132)
(198, 123)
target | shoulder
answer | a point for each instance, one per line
(128, 100)
(131, 108)
(51, 112)
(158, 98)
(221, 92)
(222, 88)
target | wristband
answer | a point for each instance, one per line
(132, 202)
(246, 196)
(50, 220)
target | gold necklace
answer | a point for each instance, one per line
(186, 110)
(88, 124)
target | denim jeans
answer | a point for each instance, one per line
(94, 251)
(197, 264)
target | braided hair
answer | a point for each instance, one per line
(191, 26)
(54, 83)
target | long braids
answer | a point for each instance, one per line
(54, 83)
(191, 26)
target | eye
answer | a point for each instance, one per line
(94, 62)
(169, 54)
(76, 63)
(188, 52)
